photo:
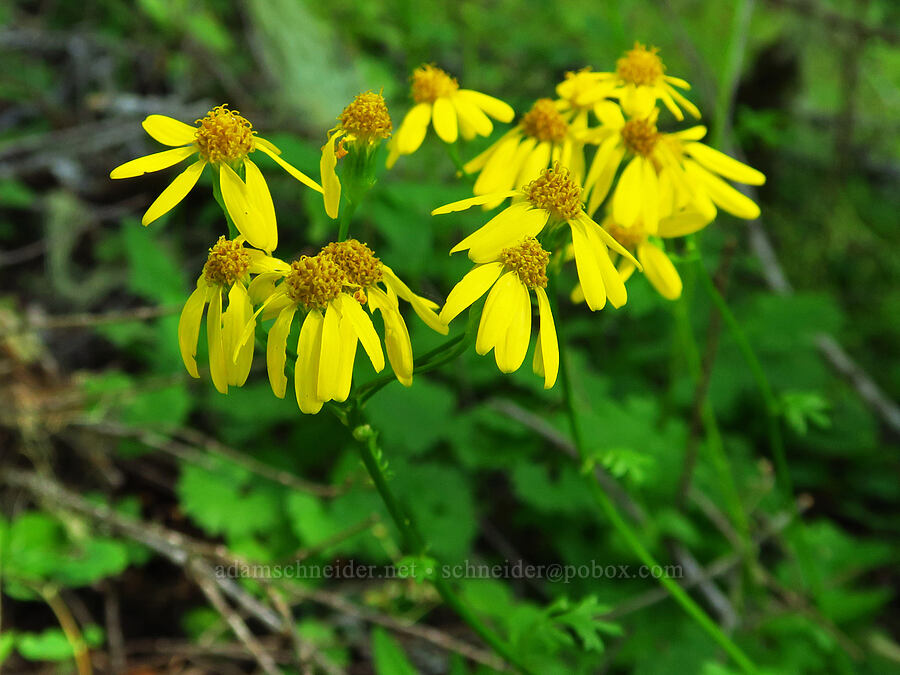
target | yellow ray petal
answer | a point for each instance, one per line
(500, 169)
(589, 275)
(331, 186)
(330, 354)
(217, 368)
(492, 106)
(478, 162)
(722, 193)
(627, 197)
(261, 263)
(261, 200)
(295, 173)
(595, 230)
(694, 133)
(649, 197)
(169, 131)
(364, 329)
(189, 327)
(610, 115)
(349, 341)
(724, 165)
(495, 315)
(306, 370)
(511, 349)
(603, 170)
(660, 271)
(502, 228)
(522, 224)
(174, 193)
(150, 163)
(261, 143)
(471, 287)
(464, 204)
(276, 347)
(412, 130)
(444, 120)
(234, 319)
(246, 218)
(535, 162)
(396, 337)
(682, 223)
(472, 115)
(547, 346)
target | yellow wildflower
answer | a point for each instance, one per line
(541, 138)
(640, 81)
(505, 324)
(225, 140)
(331, 287)
(452, 111)
(363, 124)
(225, 275)
(555, 198)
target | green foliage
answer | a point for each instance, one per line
(388, 656)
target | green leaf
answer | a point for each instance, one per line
(389, 656)
(50, 645)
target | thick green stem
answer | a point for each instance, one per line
(346, 217)
(679, 594)
(415, 543)
(217, 194)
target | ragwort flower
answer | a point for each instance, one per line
(451, 110)
(363, 124)
(554, 198)
(332, 287)
(505, 324)
(225, 275)
(223, 139)
(541, 138)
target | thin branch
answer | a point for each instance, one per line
(88, 320)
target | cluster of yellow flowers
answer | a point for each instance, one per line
(671, 185)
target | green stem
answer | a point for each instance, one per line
(731, 69)
(415, 543)
(345, 218)
(679, 594)
(217, 194)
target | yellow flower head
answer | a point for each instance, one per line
(225, 277)
(553, 197)
(505, 324)
(641, 66)
(223, 139)
(332, 287)
(541, 139)
(363, 124)
(452, 111)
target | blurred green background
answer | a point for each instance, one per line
(93, 395)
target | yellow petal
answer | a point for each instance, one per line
(682, 223)
(521, 222)
(261, 200)
(547, 346)
(330, 354)
(169, 131)
(532, 165)
(348, 341)
(464, 204)
(217, 368)
(262, 263)
(471, 287)
(684, 103)
(511, 349)
(472, 115)
(595, 230)
(660, 271)
(423, 308)
(306, 370)
(610, 114)
(234, 319)
(499, 172)
(189, 327)
(694, 133)
(237, 201)
(603, 169)
(649, 196)
(612, 280)
(174, 193)
(396, 337)
(495, 315)
(627, 197)
(444, 120)
(276, 347)
(722, 193)
(724, 165)
(296, 174)
(589, 275)
(150, 163)
(412, 130)
(492, 106)
(364, 329)
(478, 162)
(331, 186)
(259, 142)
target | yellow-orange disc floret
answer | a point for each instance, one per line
(544, 122)
(358, 262)
(641, 66)
(367, 117)
(227, 263)
(430, 83)
(314, 281)
(224, 135)
(529, 261)
(555, 191)
(640, 136)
